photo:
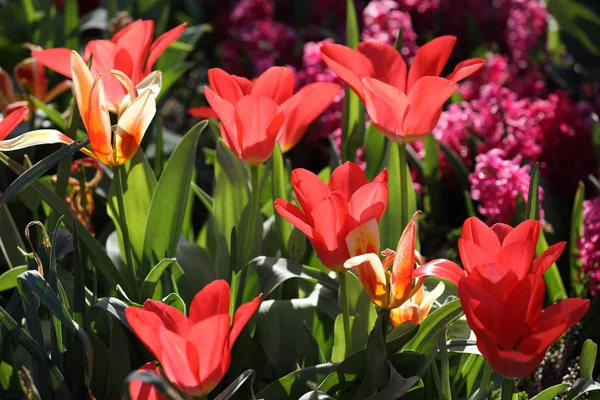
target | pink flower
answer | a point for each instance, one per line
(496, 183)
(589, 244)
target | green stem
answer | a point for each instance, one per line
(403, 185)
(118, 178)
(252, 217)
(508, 387)
(445, 367)
(484, 385)
(345, 311)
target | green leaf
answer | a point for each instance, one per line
(174, 300)
(168, 204)
(8, 280)
(551, 392)
(375, 147)
(588, 359)
(280, 182)
(10, 239)
(596, 136)
(149, 286)
(42, 166)
(582, 386)
(71, 24)
(554, 284)
(52, 114)
(458, 166)
(160, 383)
(234, 386)
(204, 197)
(572, 16)
(139, 185)
(434, 203)
(575, 261)
(295, 384)
(533, 197)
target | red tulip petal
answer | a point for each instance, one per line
(161, 44)
(526, 231)
(56, 59)
(107, 55)
(441, 268)
(225, 85)
(348, 64)
(213, 299)
(572, 310)
(137, 41)
(309, 190)
(294, 216)
(226, 112)
(211, 340)
(329, 218)
(517, 256)
(472, 255)
(363, 239)
(547, 258)
(145, 325)
(387, 106)
(241, 318)
(302, 109)
(175, 363)
(501, 230)
(8, 124)
(347, 179)
(499, 279)
(388, 65)
(368, 202)
(382, 176)
(97, 122)
(476, 231)
(139, 390)
(522, 305)
(276, 83)
(427, 97)
(258, 121)
(172, 319)
(430, 59)
(133, 26)
(203, 112)
(465, 68)
(245, 84)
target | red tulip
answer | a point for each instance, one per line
(329, 212)
(276, 83)
(139, 390)
(11, 121)
(131, 51)
(500, 244)
(194, 352)
(502, 291)
(404, 105)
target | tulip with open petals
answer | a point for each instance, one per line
(329, 212)
(276, 83)
(502, 293)
(387, 289)
(131, 51)
(139, 390)
(417, 307)
(405, 105)
(194, 351)
(135, 114)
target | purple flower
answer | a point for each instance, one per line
(589, 244)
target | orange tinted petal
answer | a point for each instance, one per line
(82, 84)
(363, 239)
(132, 126)
(98, 122)
(406, 312)
(371, 274)
(404, 262)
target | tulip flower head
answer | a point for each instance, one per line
(330, 211)
(136, 111)
(11, 121)
(139, 390)
(502, 293)
(131, 50)
(194, 351)
(387, 289)
(277, 84)
(417, 307)
(404, 105)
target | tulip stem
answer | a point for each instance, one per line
(345, 311)
(118, 178)
(403, 185)
(484, 385)
(254, 199)
(445, 368)
(508, 387)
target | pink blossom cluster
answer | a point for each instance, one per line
(589, 244)
(255, 39)
(382, 21)
(497, 182)
(525, 28)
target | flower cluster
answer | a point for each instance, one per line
(589, 244)
(497, 182)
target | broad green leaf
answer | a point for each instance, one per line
(52, 114)
(280, 183)
(8, 280)
(71, 24)
(575, 261)
(148, 290)
(167, 207)
(582, 386)
(572, 16)
(113, 306)
(375, 148)
(434, 204)
(174, 300)
(204, 197)
(551, 392)
(10, 239)
(235, 385)
(160, 383)
(139, 185)
(397, 385)
(588, 359)
(293, 385)
(119, 364)
(554, 284)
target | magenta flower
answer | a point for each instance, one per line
(589, 244)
